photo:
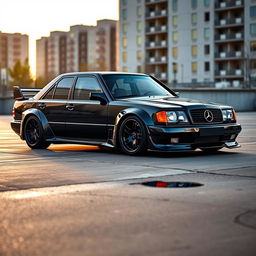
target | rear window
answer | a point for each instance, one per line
(63, 88)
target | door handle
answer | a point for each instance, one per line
(42, 105)
(70, 107)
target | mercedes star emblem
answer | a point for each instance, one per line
(208, 116)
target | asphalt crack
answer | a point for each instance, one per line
(247, 219)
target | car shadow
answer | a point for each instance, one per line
(74, 149)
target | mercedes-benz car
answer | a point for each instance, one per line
(126, 111)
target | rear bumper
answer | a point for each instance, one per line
(190, 138)
(15, 125)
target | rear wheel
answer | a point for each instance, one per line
(133, 136)
(34, 134)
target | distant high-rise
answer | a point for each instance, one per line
(13, 48)
(188, 41)
(83, 48)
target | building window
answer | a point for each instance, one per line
(253, 12)
(253, 46)
(139, 40)
(174, 67)
(175, 20)
(175, 52)
(124, 28)
(125, 42)
(253, 64)
(194, 34)
(207, 49)
(139, 26)
(206, 33)
(125, 56)
(124, 14)
(194, 4)
(139, 68)
(175, 36)
(206, 16)
(175, 5)
(206, 3)
(125, 69)
(194, 18)
(194, 50)
(139, 11)
(207, 66)
(194, 67)
(139, 55)
(253, 29)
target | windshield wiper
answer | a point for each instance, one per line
(129, 96)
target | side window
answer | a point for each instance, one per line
(85, 85)
(49, 93)
(63, 87)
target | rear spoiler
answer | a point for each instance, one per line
(24, 93)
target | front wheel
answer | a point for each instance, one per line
(34, 134)
(133, 136)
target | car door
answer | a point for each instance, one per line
(86, 119)
(54, 105)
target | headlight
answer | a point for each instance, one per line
(228, 115)
(171, 117)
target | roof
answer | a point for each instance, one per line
(103, 73)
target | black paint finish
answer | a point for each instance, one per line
(95, 121)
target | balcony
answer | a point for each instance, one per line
(229, 37)
(160, 75)
(156, 30)
(232, 22)
(151, 2)
(157, 14)
(229, 55)
(234, 73)
(157, 60)
(155, 45)
(224, 5)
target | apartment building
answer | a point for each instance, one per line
(13, 47)
(82, 48)
(189, 41)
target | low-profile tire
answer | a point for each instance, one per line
(211, 150)
(34, 134)
(133, 137)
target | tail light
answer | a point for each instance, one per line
(13, 112)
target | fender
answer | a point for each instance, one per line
(140, 113)
(40, 115)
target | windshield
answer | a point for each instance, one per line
(124, 86)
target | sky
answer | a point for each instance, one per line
(37, 18)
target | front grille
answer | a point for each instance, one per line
(197, 116)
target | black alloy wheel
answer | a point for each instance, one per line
(133, 136)
(34, 135)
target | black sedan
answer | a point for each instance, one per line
(131, 112)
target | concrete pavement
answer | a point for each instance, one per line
(76, 200)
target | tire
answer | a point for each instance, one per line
(133, 137)
(34, 134)
(211, 150)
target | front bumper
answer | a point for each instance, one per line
(188, 138)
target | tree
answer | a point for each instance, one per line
(20, 74)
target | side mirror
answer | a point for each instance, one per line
(99, 96)
(178, 94)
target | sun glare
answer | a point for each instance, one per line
(37, 17)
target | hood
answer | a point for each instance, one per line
(171, 102)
